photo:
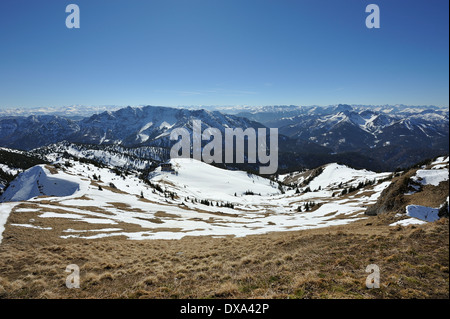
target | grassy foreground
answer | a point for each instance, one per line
(320, 263)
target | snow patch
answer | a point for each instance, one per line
(430, 176)
(5, 210)
(31, 226)
(424, 213)
(408, 221)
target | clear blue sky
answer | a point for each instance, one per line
(223, 52)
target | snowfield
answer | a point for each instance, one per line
(196, 199)
(213, 183)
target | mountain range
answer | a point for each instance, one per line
(376, 138)
(130, 127)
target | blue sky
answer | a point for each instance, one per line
(223, 52)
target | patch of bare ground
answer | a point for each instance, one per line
(400, 193)
(165, 214)
(365, 193)
(430, 195)
(152, 220)
(125, 207)
(60, 225)
(145, 200)
(108, 188)
(51, 169)
(318, 263)
(57, 207)
(202, 211)
(345, 216)
(84, 197)
(114, 189)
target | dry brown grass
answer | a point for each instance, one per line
(51, 169)
(431, 196)
(319, 263)
(165, 214)
(125, 207)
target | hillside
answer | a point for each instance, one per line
(215, 234)
(38, 181)
(73, 198)
(416, 192)
(13, 162)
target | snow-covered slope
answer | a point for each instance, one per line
(210, 182)
(195, 200)
(333, 176)
(13, 162)
(111, 155)
(39, 181)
